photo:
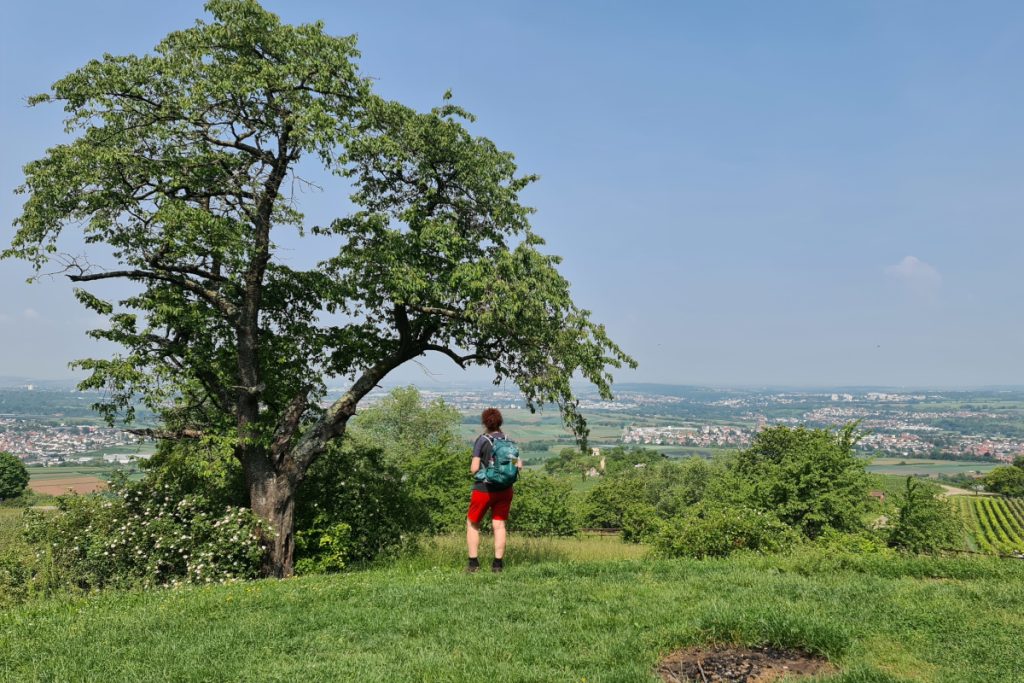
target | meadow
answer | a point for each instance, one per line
(590, 609)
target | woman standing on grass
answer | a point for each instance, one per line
(486, 495)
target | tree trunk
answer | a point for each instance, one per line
(272, 498)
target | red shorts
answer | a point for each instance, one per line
(498, 501)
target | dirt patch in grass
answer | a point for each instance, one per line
(728, 664)
(61, 485)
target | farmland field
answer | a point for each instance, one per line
(923, 466)
(58, 480)
(56, 486)
(994, 525)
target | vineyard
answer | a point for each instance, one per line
(994, 525)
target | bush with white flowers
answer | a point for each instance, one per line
(140, 534)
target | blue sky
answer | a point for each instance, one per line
(796, 193)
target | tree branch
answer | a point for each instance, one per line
(212, 296)
(459, 360)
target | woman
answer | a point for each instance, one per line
(487, 496)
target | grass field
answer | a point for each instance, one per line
(923, 466)
(554, 615)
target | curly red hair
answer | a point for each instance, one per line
(492, 419)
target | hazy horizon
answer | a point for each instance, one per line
(784, 195)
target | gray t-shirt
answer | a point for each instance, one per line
(485, 451)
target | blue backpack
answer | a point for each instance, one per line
(502, 470)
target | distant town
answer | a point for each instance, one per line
(52, 425)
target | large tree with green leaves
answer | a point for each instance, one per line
(183, 170)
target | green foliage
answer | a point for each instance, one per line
(422, 441)
(143, 535)
(225, 110)
(640, 522)
(809, 478)
(684, 484)
(926, 522)
(1007, 481)
(606, 504)
(541, 506)
(353, 507)
(634, 498)
(205, 467)
(864, 542)
(323, 546)
(716, 531)
(620, 458)
(571, 461)
(13, 476)
(28, 498)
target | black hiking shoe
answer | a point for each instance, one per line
(474, 566)
(497, 566)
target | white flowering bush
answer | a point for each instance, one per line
(140, 534)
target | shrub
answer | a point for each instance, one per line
(1008, 481)
(542, 506)
(715, 531)
(141, 535)
(640, 522)
(606, 504)
(13, 476)
(323, 546)
(15, 580)
(854, 543)
(353, 507)
(810, 478)
(926, 522)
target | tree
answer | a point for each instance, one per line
(13, 476)
(542, 506)
(809, 478)
(571, 461)
(184, 169)
(422, 441)
(1008, 481)
(926, 523)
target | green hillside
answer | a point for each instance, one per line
(551, 616)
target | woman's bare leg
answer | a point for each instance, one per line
(473, 538)
(499, 538)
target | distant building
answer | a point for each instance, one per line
(877, 495)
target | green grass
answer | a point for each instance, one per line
(558, 613)
(10, 526)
